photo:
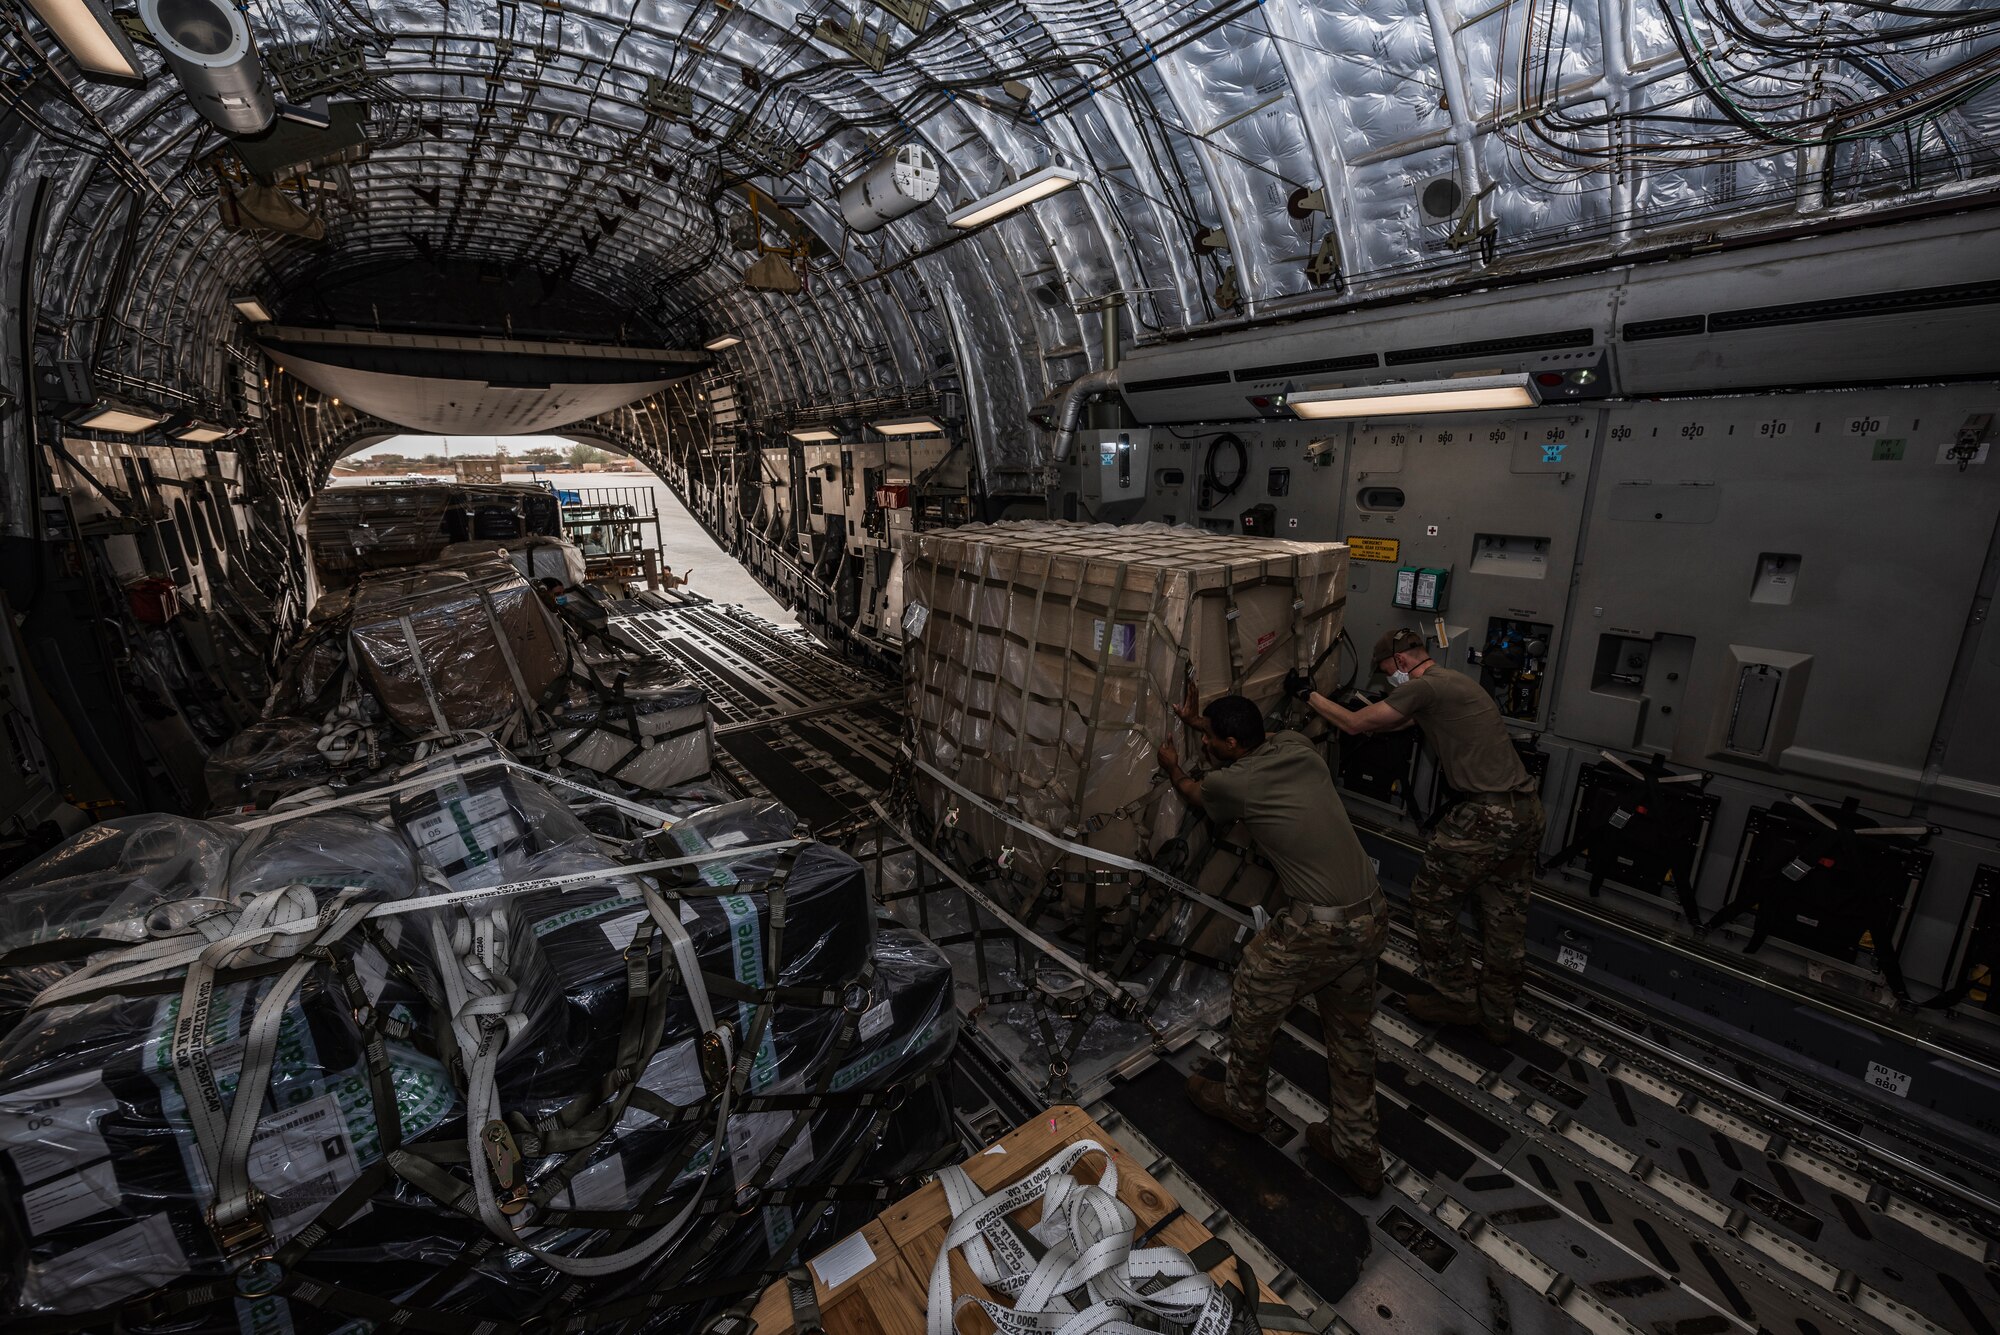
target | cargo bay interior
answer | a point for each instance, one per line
(1641, 354)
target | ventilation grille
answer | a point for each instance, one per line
(1178, 382)
(1492, 347)
(1640, 330)
(1849, 308)
(1358, 362)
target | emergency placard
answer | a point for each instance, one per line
(1373, 549)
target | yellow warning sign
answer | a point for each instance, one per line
(1374, 549)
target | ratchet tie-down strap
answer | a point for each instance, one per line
(1078, 1270)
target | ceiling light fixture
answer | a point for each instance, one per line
(1035, 185)
(198, 432)
(721, 341)
(908, 426)
(251, 309)
(93, 39)
(1464, 395)
(810, 434)
(118, 416)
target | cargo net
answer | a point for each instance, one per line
(413, 658)
(1043, 662)
(439, 1055)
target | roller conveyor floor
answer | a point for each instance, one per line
(1618, 1167)
(793, 721)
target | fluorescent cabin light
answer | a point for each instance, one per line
(199, 433)
(1035, 185)
(1470, 394)
(908, 426)
(123, 418)
(93, 39)
(721, 341)
(251, 309)
(815, 433)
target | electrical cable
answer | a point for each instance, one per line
(1214, 491)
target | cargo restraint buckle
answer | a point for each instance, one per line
(503, 1156)
(714, 1057)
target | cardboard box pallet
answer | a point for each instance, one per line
(875, 1281)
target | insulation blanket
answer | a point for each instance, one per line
(455, 647)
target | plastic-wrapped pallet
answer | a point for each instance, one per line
(108, 1186)
(638, 722)
(582, 932)
(121, 880)
(455, 647)
(265, 762)
(111, 1176)
(1042, 660)
(885, 1116)
(537, 558)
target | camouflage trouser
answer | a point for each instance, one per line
(1485, 851)
(1336, 965)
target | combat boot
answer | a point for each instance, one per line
(1212, 1097)
(1497, 1032)
(1436, 1008)
(1363, 1170)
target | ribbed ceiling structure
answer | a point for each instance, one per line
(1239, 160)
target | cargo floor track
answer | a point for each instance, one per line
(1620, 1166)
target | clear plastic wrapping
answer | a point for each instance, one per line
(638, 722)
(455, 647)
(122, 881)
(537, 558)
(107, 1185)
(265, 762)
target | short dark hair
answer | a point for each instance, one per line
(1235, 719)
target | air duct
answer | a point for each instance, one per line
(207, 45)
(895, 187)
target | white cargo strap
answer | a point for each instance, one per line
(224, 1139)
(485, 1028)
(151, 959)
(1178, 886)
(432, 776)
(529, 713)
(423, 673)
(1088, 1236)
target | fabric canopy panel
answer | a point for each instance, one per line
(475, 386)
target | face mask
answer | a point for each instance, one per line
(1398, 678)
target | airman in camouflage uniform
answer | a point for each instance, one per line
(1322, 941)
(1483, 850)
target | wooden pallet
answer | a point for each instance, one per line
(884, 1270)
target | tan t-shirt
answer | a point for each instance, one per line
(1283, 793)
(1463, 726)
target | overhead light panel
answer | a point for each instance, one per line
(198, 433)
(1035, 185)
(93, 39)
(1480, 393)
(118, 416)
(908, 426)
(251, 309)
(721, 341)
(813, 434)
